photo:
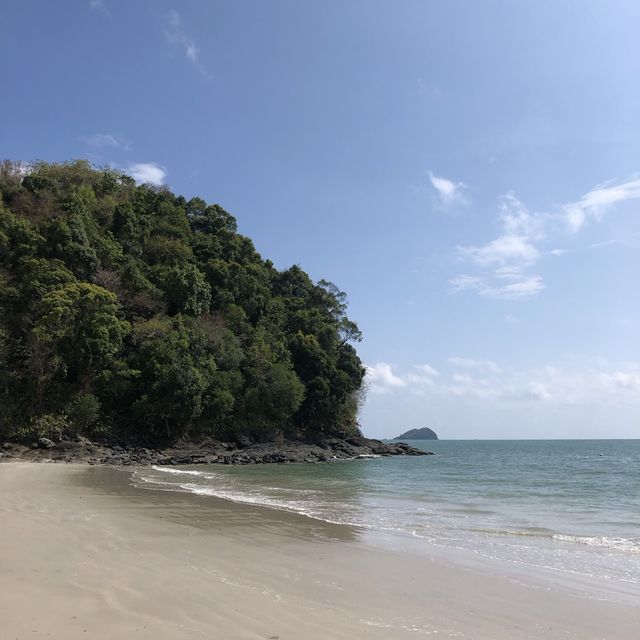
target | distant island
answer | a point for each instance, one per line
(418, 434)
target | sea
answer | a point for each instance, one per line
(568, 507)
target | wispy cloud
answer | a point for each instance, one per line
(427, 89)
(176, 34)
(598, 201)
(449, 192)
(478, 365)
(99, 5)
(504, 261)
(503, 265)
(105, 140)
(606, 243)
(486, 286)
(147, 172)
(503, 251)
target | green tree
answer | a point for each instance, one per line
(129, 310)
(79, 330)
(186, 290)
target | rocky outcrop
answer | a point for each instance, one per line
(205, 452)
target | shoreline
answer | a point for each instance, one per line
(86, 554)
(409, 543)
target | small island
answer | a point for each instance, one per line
(418, 434)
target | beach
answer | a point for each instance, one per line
(84, 553)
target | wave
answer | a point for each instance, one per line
(344, 515)
(620, 544)
(183, 472)
(225, 493)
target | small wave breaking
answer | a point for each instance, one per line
(621, 544)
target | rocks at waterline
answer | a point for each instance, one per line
(207, 452)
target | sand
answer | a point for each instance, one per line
(83, 554)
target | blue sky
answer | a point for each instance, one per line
(467, 171)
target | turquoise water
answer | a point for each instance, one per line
(569, 506)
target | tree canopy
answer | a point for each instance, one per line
(132, 313)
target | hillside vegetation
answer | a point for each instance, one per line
(128, 312)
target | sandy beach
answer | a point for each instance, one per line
(84, 554)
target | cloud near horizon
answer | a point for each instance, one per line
(485, 380)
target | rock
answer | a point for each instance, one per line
(45, 443)
(209, 452)
(243, 442)
(65, 445)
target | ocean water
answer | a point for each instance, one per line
(566, 506)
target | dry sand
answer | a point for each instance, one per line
(83, 554)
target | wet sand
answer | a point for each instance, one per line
(83, 554)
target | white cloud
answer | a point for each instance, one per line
(524, 287)
(507, 249)
(488, 286)
(514, 246)
(504, 263)
(147, 172)
(104, 140)
(381, 378)
(449, 192)
(599, 383)
(177, 35)
(596, 202)
(517, 220)
(505, 259)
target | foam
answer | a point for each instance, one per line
(621, 544)
(181, 471)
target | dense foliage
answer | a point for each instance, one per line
(129, 312)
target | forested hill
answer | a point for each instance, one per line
(128, 312)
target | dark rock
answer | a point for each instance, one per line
(210, 452)
(243, 442)
(64, 445)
